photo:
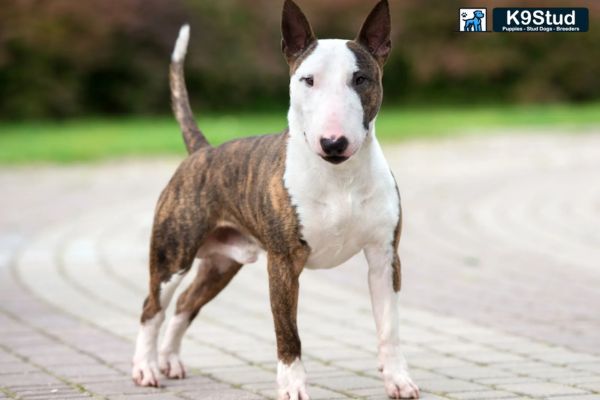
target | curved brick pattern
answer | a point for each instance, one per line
(500, 256)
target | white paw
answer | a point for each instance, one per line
(145, 373)
(292, 381)
(293, 393)
(171, 366)
(399, 385)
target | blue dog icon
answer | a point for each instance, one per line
(474, 24)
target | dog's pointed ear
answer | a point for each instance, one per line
(375, 32)
(296, 31)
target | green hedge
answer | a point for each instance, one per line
(64, 58)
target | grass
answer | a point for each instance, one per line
(96, 139)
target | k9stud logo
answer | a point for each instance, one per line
(472, 19)
(541, 19)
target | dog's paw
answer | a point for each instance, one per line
(399, 385)
(292, 381)
(293, 394)
(171, 366)
(145, 373)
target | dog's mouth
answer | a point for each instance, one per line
(335, 159)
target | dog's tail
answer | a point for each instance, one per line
(193, 137)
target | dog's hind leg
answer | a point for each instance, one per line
(214, 273)
(177, 234)
(145, 366)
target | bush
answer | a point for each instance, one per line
(64, 58)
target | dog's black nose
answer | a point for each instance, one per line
(334, 147)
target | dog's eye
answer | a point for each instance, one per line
(359, 80)
(309, 80)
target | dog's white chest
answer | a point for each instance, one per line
(336, 226)
(341, 211)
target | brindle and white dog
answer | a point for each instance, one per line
(312, 197)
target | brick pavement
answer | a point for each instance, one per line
(500, 262)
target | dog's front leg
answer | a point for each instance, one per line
(384, 268)
(283, 286)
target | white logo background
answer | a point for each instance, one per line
(469, 15)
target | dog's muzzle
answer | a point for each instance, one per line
(334, 149)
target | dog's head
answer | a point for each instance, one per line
(478, 14)
(335, 85)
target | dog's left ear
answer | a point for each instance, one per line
(375, 32)
(296, 31)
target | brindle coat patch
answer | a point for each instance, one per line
(371, 91)
(192, 136)
(396, 265)
(216, 272)
(295, 62)
(240, 182)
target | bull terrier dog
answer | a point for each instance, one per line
(311, 197)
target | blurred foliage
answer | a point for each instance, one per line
(63, 58)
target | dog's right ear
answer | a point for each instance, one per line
(375, 32)
(296, 31)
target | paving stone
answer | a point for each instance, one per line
(476, 372)
(490, 357)
(16, 367)
(541, 389)
(346, 383)
(428, 396)
(49, 393)
(566, 357)
(481, 395)
(585, 378)
(434, 361)
(161, 396)
(591, 386)
(240, 377)
(26, 379)
(506, 380)
(449, 385)
(230, 394)
(370, 392)
(316, 393)
(590, 367)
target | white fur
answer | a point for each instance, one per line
(291, 380)
(342, 208)
(167, 289)
(145, 360)
(331, 108)
(384, 299)
(182, 44)
(241, 248)
(145, 364)
(169, 355)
